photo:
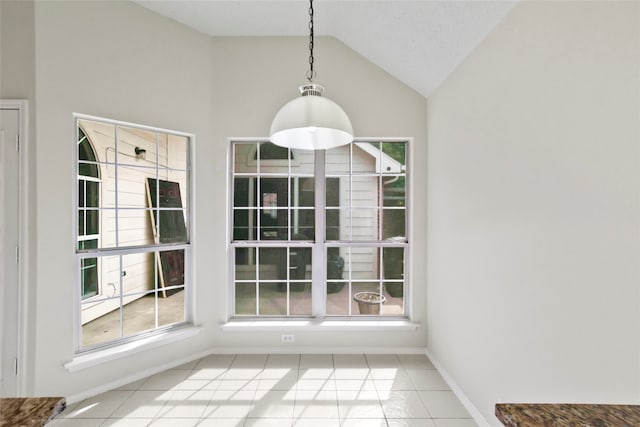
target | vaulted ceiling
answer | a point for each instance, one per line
(418, 42)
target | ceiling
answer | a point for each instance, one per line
(418, 42)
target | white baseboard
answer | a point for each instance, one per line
(134, 377)
(462, 397)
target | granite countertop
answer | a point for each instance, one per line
(561, 415)
(29, 411)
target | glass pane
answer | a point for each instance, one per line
(242, 192)
(365, 264)
(335, 271)
(338, 300)
(337, 160)
(171, 307)
(245, 303)
(366, 157)
(92, 221)
(100, 322)
(300, 263)
(132, 191)
(394, 293)
(303, 224)
(272, 264)
(333, 217)
(364, 224)
(269, 151)
(300, 299)
(82, 219)
(135, 227)
(332, 191)
(394, 224)
(364, 191)
(82, 190)
(246, 264)
(393, 263)
(170, 268)
(395, 157)
(303, 194)
(173, 188)
(172, 223)
(138, 146)
(241, 229)
(367, 300)
(99, 144)
(139, 313)
(394, 190)
(273, 299)
(244, 158)
(108, 229)
(89, 277)
(274, 215)
(177, 153)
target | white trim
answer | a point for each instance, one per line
(97, 357)
(309, 325)
(455, 388)
(135, 376)
(22, 105)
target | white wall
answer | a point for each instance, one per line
(120, 61)
(534, 209)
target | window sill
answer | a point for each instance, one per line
(84, 361)
(264, 325)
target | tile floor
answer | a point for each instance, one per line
(281, 391)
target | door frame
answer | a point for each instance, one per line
(24, 236)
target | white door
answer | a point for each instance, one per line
(9, 226)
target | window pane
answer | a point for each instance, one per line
(367, 300)
(396, 153)
(300, 299)
(273, 264)
(393, 263)
(171, 268)
(270, 151)
(245, 263)
(332, 191)
(139, 314)
(335, 271)
(132, 191)
(303, 224)
(364, 225)
(242, 193)
(171, 307)
(177, 152)
(394, 191)
(394, 294)
(333, 225)
(134, 227)
(241, 229)
(273, 299)
(337, 160)
(304, 192)
(245, 299)
(366, 157)
(100, 322)
(89, 277)
(393, 224)
(364, 191)
(244, 158)
(364, 263)
(300, 263)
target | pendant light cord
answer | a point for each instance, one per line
(311, 73)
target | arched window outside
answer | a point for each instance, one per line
(88, 214)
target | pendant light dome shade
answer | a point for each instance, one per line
(311, 122)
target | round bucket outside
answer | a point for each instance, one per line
(369, 302)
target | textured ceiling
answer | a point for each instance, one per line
(418, 42)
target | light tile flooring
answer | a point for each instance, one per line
(280, 391)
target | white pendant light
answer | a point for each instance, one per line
(311, 122)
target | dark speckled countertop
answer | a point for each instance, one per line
(565, 415)
(29, 411)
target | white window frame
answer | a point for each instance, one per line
(128, 250)
(320, 245)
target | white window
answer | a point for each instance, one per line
(319, 233)
(133, 250)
